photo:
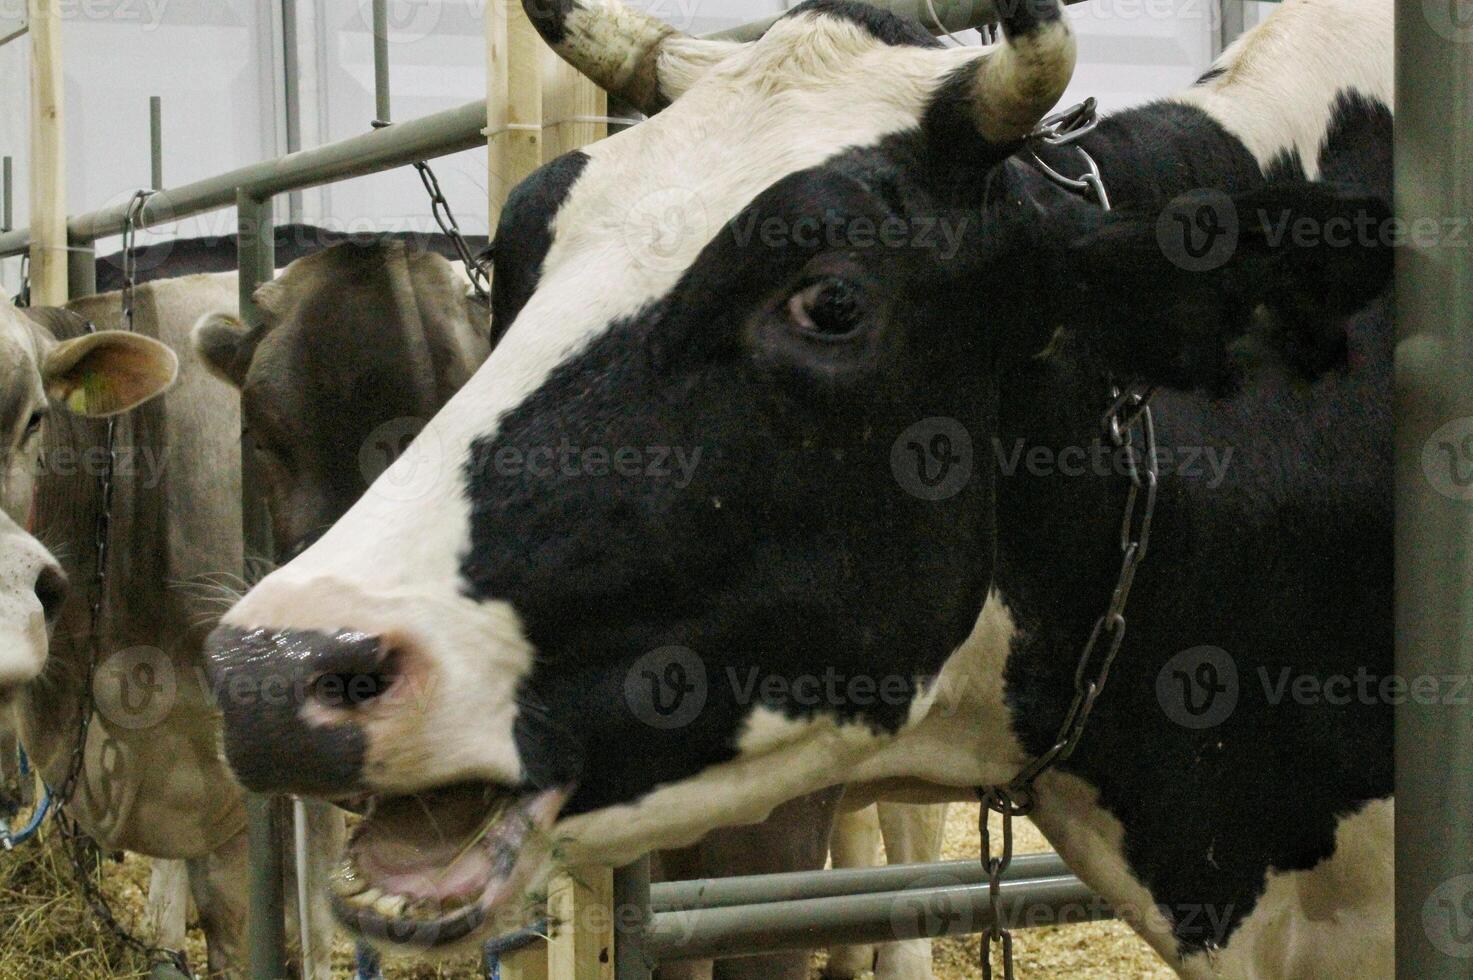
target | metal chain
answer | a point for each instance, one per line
(82, 851)
(1016, 798)
(1065, 129)
(445, 218)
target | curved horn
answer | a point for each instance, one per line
(1021, 79)
(625, 52)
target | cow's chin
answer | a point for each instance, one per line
(445, 867)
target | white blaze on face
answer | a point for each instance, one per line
(22, 619)
(646, 203)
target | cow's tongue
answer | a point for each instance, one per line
(426, 870)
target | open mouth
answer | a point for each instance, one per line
(432, 869)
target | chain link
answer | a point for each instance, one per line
(445, 218)
(1128, 410)
(83, 852)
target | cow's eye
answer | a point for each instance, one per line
(33, 424)
(826, 310)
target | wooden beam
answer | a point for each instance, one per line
(48, 157)
(525, 964)
(513, 100)
(569, 102)
(580, 908)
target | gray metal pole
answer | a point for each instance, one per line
(7, 177)
(256, 241)
(291, 91)
(710, 893)
(156, 140)
(953, 15)
(381, 61)
(944, 910)
(631, 920)
(1433, 155)
(418, 139)
(266, 928)
(1231, 21)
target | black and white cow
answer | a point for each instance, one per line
(852, 258)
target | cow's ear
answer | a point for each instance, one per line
(224, 345)
(108, 372)
(1161, 296)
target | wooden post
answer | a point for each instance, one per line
(569, 101)
(525, 964)
(580, 906)
(513, 99)
(48, 157)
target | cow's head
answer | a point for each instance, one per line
(357, 347)
(95, 374)
(589, 606)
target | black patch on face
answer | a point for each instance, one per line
(524, 235)
(881, 24)
(755, 561)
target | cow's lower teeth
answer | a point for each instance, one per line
(390, 906)
(368, 897)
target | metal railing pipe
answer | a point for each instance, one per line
(427, 137)
(430, 136)
(631, 921)
(710, 893)
(1433, 409)
(945, 910)
(383, 102)
(156, 141)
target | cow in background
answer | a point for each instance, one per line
(49, 365)
(153, 782)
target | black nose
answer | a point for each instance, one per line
(51, 588)
(291, 701)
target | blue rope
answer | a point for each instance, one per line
(9, 840)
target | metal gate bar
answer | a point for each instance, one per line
(812, 923)
(1433, 159)
(713, 893)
